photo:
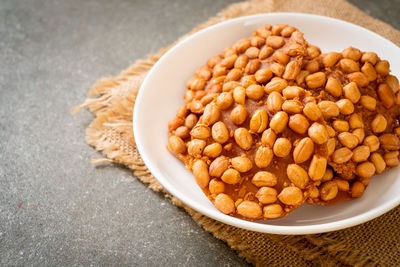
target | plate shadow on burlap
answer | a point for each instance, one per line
(111, 101)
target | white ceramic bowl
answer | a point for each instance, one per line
(162, 91)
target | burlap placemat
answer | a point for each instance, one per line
(374, 243)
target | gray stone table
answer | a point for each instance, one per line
(55, 207)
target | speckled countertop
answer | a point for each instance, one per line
(56, 208)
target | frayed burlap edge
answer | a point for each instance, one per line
(111, 133)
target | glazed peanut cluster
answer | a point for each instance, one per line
(272, 123)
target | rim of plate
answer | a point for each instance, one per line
(219, 216)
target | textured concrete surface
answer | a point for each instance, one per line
(55, 207)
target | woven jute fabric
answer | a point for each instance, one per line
(111, 100)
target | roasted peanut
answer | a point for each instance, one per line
(242, 164)
(272, 211)
(389, 142)
(252, 66)
(224, 203)
(357, 189)
(370, 57)
(341, 125)
(267, 195)
(252, 52)
(277, 69)
(279, 122)
(342, 185)
(351, 92)
(330, 59)
(313, 51)
(352, 53)
(391, 158)
(331, 144)
(386, 95)
(249, 209)
(312, 66)
(213, 150)
(318, 133)
(297, 175)
(356, 121)
(328, 108)
(257, 41)
(276, 84)
(264, 178)
(379, 123)
(238, 114)
(241, 62)
(312, 111)
(291, 92)
(211, 114)
(263, 157)
(280, 57)
(360, 134)
(219, 132)
(360, 154)
(292, 70)
(215, 186)
(317, 167)
(200, 131)
(378, 162)
(328, 190)
(348, 139)
(176, 144)
(200, 172)
(219, 166)
(345, 106)
(268, 138)
(241, 45)
(368, 102)
(328, 175)
(342, 155)
(254, 92)
(274, 102)
(365, 169)
(287, 31)
(393, 83)
(243, 138)
(175, 123)
(292, 106)
(229, 61)
(298, 123)
(334, 87)
(303, 150)
(263, 75)
(214, 61)
(231, 176)
(282, 147)
(196, 147)
(372, 142)
(359, 78)
(224, 100)
(383, 67)
(182, 132)
(265, 52)
(349, 65)
(369, 70)
(275, 41)
(301, 77)
(291, 196)
(239, 95)
(316, 80)
(259, 121)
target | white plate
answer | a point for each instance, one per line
(162, 91)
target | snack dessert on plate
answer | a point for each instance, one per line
(272, 123)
